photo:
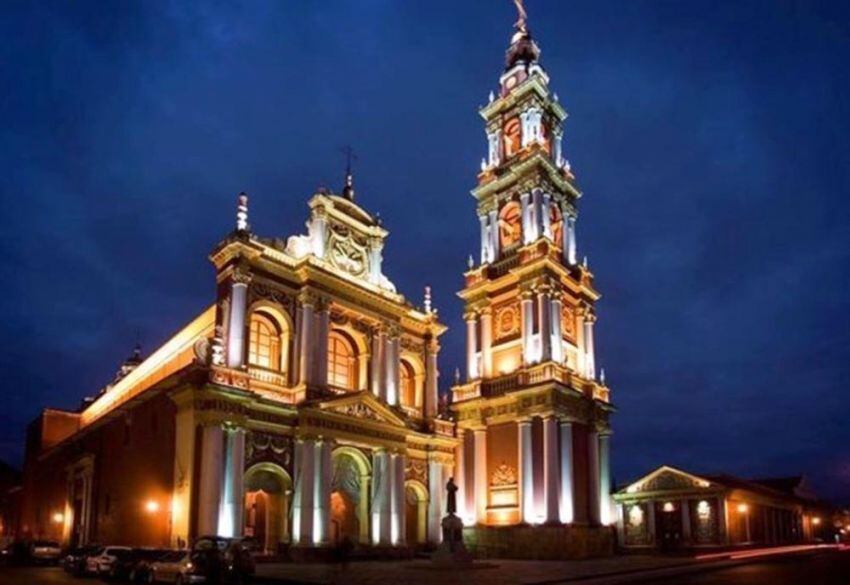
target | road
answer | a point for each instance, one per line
(826, 568)
(823, 568)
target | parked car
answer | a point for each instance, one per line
(223, 560)
(101, 563)
(45, 552)
(74, 562)
(15, 554)
(176, 567)
(135, 566)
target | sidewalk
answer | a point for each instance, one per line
(508, 572)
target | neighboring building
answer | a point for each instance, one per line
(301, 407)
(533, 415)
(670, 509)
(10, 495)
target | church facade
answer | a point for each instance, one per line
(302, 407)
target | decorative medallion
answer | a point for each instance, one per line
(504, 475)
(416, 469)
(348, 252)
(507, 321)
(358, 410)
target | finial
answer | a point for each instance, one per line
(428, 299)
(457, 376)
(483, 164)
(491, 97)
(602, 376)
(584, 262)
(522, 20)
(242, 212)
(555, 97)
(348, 190)
(470, 262)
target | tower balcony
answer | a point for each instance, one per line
(267, 383)
(528, 376)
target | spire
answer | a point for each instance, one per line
(428, 299)
(242, 213)
(348, 190)
(523, 49)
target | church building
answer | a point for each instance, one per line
(301, 406)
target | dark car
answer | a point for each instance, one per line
(135, 566)
(15, 554)
(222, 560)
(74, 562)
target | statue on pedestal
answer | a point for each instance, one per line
(452, 552)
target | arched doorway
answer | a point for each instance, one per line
(267, 492)
(415, 513)
(350, 495)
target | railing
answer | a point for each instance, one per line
(267, 376)
(504, 266)
(499, 386)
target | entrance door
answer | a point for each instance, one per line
(669, 517)
(344, 522)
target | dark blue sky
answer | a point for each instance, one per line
(710, 139)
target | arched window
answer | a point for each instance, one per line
(407, 379)
(510, 224)
(342, 362)
(264, 342)
(513, 137)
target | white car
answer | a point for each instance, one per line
(101, 563)
(175, 567)
(45, 551)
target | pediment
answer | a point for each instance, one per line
(667, 478)
(362, 405)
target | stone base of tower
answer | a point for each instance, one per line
(561, 542)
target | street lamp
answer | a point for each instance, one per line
(151, 506)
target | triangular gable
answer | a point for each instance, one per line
(362, 405)
(666, 478)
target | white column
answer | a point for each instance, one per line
(494, 236)
(526, 219)
(486, 343)
(547, 220)
(527, 306)
(392, 369)
(375, 364)
(460, 476)
(526, 471)
(570, 240)
(436, 483)
(537, 221)
(305, 349)
(322, 331)
(485, 239)
(543, 317)
(557, 337)
(593, 476)
(590, 360)
(397, 534)
(322, 491)
(551, 473)
(303, 500)
(581, 359)
(209, 489)
(567, 501)
(605, 479)
(481, 476)
(232, 500)
(471, 347)
(236, 327)
(432, 375)
(382, 483)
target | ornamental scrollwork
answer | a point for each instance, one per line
(268, 448)
(503, 475)
(416, 469)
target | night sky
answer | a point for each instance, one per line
(710, 140)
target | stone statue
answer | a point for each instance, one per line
(451, 502)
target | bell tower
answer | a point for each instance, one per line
(531, 379)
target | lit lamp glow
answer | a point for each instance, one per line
(742, 508)
(668, 507)
(703, 509)
(151, 506)
(815, 520)
(58, 518)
